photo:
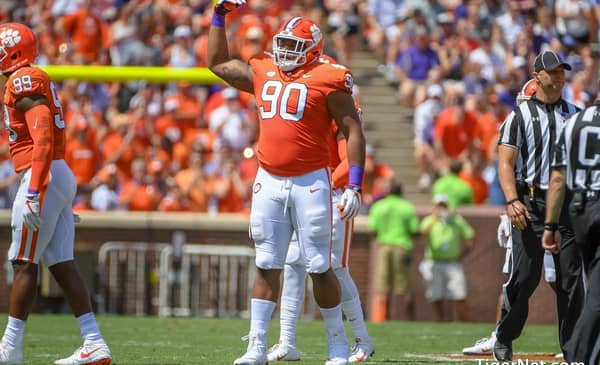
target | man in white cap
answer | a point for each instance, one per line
(425, 114)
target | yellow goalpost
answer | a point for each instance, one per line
(155, 75)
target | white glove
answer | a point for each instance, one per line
(549, 269)
(31, 212)
(504, 230)
(349, 203)
(225, 6)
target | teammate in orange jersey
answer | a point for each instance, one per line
(294, 272)
(296, 96)
(42, 219)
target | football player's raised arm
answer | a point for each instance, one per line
(233, 71)
(40, 124)
(341, 107)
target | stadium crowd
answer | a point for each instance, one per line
(183, 147)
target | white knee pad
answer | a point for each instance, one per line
(315, 241)
(266, 260)
(348, 288)
(270, 250)
(317, 264)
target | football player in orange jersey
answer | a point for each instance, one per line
(42, 219)
(296, 96)
(294, 272)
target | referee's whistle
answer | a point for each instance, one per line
(531, 192)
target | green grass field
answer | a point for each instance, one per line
(151, 340)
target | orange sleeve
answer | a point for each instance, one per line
(68, 21)
(40, 125)
(126, 192)
(340, 174)
(338, 78)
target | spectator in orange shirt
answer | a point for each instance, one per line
(253, 43)
(180, 156)
(229, 188)
(487, 125)
(163, 152)
(165, 123)
(189, 101)
(80, 107)
(377, 178)
(87, 34)
(258, 18)
(81, 154)
(194, 184)
(201, 42)
(174, 200)
(116, 146)
(471, 173)
(137, 194)
(454, 134)
(139, 113)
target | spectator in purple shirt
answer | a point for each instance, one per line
(417, 67)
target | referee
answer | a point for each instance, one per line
(526, 140)
(577, 161)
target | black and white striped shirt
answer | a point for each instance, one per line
(578, 150)
(532, 128)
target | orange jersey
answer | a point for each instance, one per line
(294, 119)
(87, 33)
(25, 82)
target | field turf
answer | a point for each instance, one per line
(152, 340)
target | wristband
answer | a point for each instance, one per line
(512, 201)
(32, 192)
(551, 226)
(355, 175)
(217, 20)
(353, 188)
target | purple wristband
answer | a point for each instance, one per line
(218, 20)
(356, 175)
(32, 192)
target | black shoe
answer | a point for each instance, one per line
(503, 352)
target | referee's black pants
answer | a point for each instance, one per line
(584, 345)
(526, 268)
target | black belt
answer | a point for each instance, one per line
(591, 195)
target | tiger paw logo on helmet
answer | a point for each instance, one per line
(10, 37)
(316, 33)
(18, 47)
